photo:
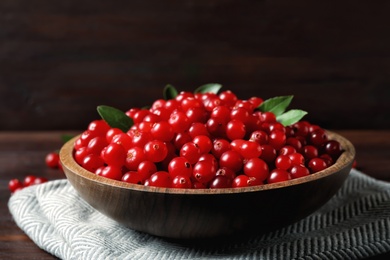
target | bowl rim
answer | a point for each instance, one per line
(345, 159)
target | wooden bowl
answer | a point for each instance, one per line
(208, 213)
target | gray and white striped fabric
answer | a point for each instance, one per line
(354, 224)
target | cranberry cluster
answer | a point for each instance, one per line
(205, 140)
(15, 185)
(52, 160)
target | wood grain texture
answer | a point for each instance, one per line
(208, 213)
(58, 59)
(23, 152)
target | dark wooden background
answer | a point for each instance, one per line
(60, 59)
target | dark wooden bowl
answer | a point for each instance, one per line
(208, 213)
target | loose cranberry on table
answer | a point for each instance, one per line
(15, 185)
(52, 160)
(206, 139)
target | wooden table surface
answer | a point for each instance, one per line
(23, 153)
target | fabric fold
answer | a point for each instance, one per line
(354, 224)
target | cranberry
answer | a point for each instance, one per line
(92, 162)
(203, 142)
(256, 101)
(250, 149)
(240, 113)
(99, 127)
(268, 117)
(278, 175)
(29, 180)
(114, 154)
(236, 144)
(190, 102)
(40, 180)
(156, 150)
(298, 171)
(318, 137)
(198, 185)
(180, 166)
(204, 171)
(140, 115)
(268, 153)
(162, 131)
(132, 177)
(80, 154)
(235, 129)
(222, 113)
(96, 145)
(210, 158)
(134, 157)
(257, 168)
(181, 182)
(327, 158)
(216, 127)
(52, 160)
(259, 136)
(283, 162)
(198, 129)
(228, 173)
(333, 148)
(179, 122)
(172, 105)
(158, 104)
(310, 152)
(219, 147)
(139, 139)
(296, 159)
(112, 172)
(15, 185)
(146, 169)
(241, 181)
(111, 133)
(300, 129)
(294, 142)
(124, 139)
(232, 160)
(191, 152)
(316, 165)
(286, 150)
(228, 98)
(159, 179)
(277, 139)
(180, 139)
(220, 182)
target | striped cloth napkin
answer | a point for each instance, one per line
(354, 224)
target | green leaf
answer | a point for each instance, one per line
(290, 117)
(66, 137)
(169, 92)
(208, 88)
(115, 117)
(276, 105)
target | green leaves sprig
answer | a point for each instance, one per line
(208, 88)
(169, 92)
(278, 106)
(115, 117)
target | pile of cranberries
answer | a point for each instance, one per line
(205, 140)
